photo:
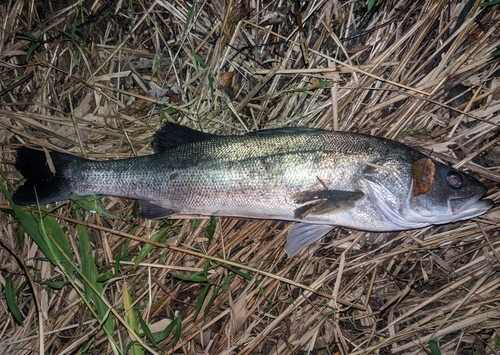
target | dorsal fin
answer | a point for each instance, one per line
(172, 135)
(283, 130)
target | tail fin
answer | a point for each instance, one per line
(42, 185)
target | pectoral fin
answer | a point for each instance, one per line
(151, 211)
(324, 201)
(302, 235)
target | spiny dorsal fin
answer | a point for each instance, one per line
(172, 135)
(288, 130)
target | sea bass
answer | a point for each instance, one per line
(318, 178)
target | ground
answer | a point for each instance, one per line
(98, 78)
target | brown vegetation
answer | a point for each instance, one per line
(97, 78)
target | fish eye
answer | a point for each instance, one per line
(454, 180)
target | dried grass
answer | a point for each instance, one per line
(105, 74)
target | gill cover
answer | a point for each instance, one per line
(388, 182)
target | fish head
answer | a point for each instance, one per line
(419, 193)
(452, 196)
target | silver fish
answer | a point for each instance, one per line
(319, 178)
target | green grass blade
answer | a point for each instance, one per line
(228, 279)
(93, 204)
(55, 234)
(198, 60)
(244, 274)
(86, 346)
(146, 330)
(434, 347)
(489, 3)
(212, 225)
(31, 49)
(370, 4)
(165, 333)
(137, 349)
(146, 249)
(191, 278)
(157, 65)
(189, 19)
(210, 303)
(10, 297)
(55, 284)
(89, 271)
(211, 84)
(319, 85)
(201, 299)
(178, 328)
(32, 224)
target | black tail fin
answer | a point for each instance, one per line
(42, 185)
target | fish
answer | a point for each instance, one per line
(320, 179)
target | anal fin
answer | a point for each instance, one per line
(302, 235)
(150, 210)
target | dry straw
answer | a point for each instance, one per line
(97, 78)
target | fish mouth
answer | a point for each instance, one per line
(469, 206)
